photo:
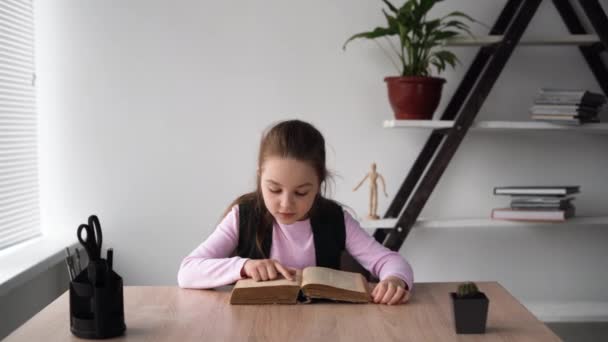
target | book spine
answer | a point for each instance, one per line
(554, 117)
(530, 192)
(563, 111)
(529, 215)
(539, 206)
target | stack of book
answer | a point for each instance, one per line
(537, 203)
(567, 106)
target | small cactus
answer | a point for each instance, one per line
(467, 290)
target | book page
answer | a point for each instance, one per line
(339, 279)
(281, 281)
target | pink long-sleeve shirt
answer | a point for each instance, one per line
(211, 265)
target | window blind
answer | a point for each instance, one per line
(19, 200)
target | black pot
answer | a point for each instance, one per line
(470, 314)
(97, 312)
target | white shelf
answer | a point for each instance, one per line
(572, 39)
(481, 223)
(601, 128)
(434, 124)
(569, 311)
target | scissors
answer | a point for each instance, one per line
(93, 239)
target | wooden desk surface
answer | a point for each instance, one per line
(174, 314)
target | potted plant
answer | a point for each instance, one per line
(470, 309)
(415, 94)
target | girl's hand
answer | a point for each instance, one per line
(390, 291)
(266, 269)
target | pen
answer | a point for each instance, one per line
(109, 262)
(68, 261)
(78, 261)
(110, 258)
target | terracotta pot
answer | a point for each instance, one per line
(414, 97)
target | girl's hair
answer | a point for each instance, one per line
(292, 139)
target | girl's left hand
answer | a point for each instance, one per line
(390, 291)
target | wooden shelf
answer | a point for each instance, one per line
(483, 223)
(572, 39)
(601, 128)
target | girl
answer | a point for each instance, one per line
(286, 224)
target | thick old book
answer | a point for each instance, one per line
(532, 215)
(310, 283)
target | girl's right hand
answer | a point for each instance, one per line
(266, 269)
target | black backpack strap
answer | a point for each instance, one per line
(329, 232)
(249, 221)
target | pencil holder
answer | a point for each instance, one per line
(96, 305)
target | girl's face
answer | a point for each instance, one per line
(289, 188)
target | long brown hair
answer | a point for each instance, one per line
(293, 139)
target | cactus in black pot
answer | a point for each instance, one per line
(468, 290)
(470, 309)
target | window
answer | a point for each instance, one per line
(19, 200)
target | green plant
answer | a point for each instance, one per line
(421, 40)
(467, 290)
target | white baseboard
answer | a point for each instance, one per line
(575, 311)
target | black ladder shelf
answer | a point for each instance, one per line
(470, 96)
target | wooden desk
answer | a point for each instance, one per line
(173, 314)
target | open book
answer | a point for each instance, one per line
(310, 283)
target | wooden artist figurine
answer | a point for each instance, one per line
(373, 191)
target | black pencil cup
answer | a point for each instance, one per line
(97, 311)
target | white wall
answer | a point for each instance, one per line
(151, 112)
